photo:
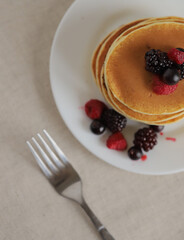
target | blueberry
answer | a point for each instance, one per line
(97, 127)
(157, 128)
(171, 76)
(181, 49)
(135, 153)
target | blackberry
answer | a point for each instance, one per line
(113, 120)
(145, 138)
(157, 61)
(180, 68)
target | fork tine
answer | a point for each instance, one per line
(50, 164)
(57, 149)
(52, 154)
(41, 164)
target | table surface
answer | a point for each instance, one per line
(131, 206)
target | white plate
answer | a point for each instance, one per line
(84, 25)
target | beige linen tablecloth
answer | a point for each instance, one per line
(132, 206)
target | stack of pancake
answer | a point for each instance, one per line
(118, 66)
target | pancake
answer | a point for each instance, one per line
(129, 113)
(103, 48)
(105, 45)
(171, 120)
(125, 74)
(148, 22)
(112, 38)
(123, 30)
(94, 58)
(124, 110)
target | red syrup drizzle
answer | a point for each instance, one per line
(161, 133)
(170, 139)
(82, 108)
(144, 158)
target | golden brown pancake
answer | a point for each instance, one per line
(124, 30)
(108, 42)
(101, 51)
(94, 58)
(125, 73)
(170, 121)
(137, 115)
(124, 110)
(103, 48)
(148, 22)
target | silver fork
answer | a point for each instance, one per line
(63, 177)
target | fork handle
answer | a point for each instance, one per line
(105, 235)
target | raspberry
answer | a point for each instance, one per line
(116, 141)
(145, 138)
(161, 88)
(94, 108)
(176, 55)
(114, 121)
(157, 61)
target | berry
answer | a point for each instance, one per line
(116, 141)
(97, 127)
(180, 49)
(161, 88)
(135, 153)
(94, 108)
(171, 76)
(145, 138)
(176, 55)
(157, 128)
(113, 120)
(157, 61)
(180, 69)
